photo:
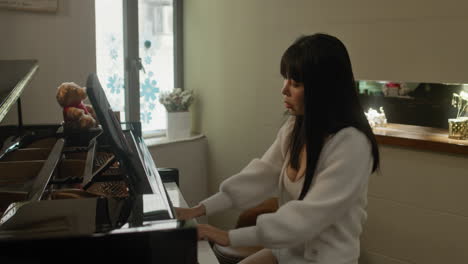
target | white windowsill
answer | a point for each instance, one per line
(154, 134)
(158, 141)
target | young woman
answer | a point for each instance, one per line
(318, 166)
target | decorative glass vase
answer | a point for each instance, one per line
(179, 125)
(458, 128)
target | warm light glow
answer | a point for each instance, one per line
(375, 118)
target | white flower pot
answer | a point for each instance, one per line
(179, 125)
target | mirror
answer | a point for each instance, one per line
(412, 103)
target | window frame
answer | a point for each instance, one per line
(132, 60)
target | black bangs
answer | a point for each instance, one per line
(291, 64)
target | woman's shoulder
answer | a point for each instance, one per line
(350, 136)
(350, 131)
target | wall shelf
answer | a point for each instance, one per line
(418, 137)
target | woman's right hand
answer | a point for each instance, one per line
(189, 213)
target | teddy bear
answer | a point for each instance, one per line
(76, 114)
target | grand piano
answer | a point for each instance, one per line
(69, 196)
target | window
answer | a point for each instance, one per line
(109, 51)
(134, 73)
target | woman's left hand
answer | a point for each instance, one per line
(211, 233)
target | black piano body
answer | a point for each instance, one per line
(74, 196)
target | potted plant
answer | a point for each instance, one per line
(458, 127)
(177, 105)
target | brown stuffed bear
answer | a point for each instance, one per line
(76, 115)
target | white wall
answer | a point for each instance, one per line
(232, 55)
(232, 52)
(189, 157)
(64, 44)
(233, 49)
(417, 209)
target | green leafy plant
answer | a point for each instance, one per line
(177, 101)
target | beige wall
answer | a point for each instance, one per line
(417, 209)
(64, 44)
(189, 157)
(232, 53)
(233, 48)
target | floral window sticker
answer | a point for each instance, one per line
(110, 52)
(115, 84)
(149, 91)
(113, 72)
(156, 50)
(148, 88)
(145, 117)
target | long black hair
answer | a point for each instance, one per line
(321, 62)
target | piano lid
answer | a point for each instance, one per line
(14, 76)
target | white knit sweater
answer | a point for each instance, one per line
(325, 226)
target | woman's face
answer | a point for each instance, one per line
(293, 96)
